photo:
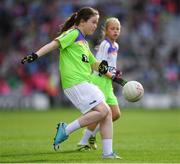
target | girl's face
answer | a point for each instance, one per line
(90, 25)
(113, 30)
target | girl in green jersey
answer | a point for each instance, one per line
(76, 64)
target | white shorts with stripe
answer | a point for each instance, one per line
(84, 96)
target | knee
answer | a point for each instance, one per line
(116, 116)
(105, 111)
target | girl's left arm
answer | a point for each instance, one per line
(117, 77)
(95, 67)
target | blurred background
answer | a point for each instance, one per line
(149, 50)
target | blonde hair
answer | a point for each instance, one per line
(105, 26)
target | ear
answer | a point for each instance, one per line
(82, 21)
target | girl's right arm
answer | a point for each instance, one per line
(47, 48)
(42, 51)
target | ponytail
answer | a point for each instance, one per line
(69, 23)
(83, 14)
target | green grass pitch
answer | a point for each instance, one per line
(139, 136)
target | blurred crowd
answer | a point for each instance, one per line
(149, 42)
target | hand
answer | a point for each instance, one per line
(29, 58)
(103, 67)
(117, 77)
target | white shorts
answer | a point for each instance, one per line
(84, 96)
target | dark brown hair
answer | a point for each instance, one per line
(84, 13)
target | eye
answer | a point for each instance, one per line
(95, 22)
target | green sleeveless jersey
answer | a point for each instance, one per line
(75, 58)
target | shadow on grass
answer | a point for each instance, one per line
(51, 156)
(41, 153)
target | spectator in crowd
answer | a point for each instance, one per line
(148, 41)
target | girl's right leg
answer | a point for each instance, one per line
(91, 130)
(106, 130)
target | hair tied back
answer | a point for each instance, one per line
(75, 15)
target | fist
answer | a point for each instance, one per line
(29, 58)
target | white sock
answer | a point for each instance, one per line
(96, 130)
(86, 136)
(72, 127)
(107, 146)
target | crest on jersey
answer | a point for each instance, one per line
(85, 58)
